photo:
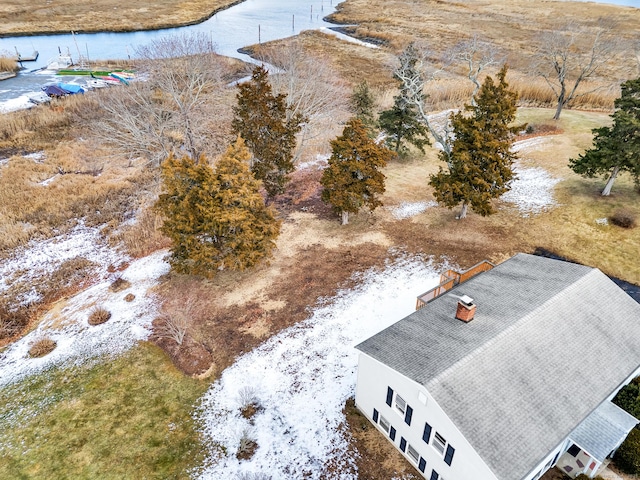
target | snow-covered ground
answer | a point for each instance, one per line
(302, 378)
(77, 341)
(411, 209)
(40, 258)
(532, 191)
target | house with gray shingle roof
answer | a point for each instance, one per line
(506, 374)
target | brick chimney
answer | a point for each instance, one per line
(466, 309)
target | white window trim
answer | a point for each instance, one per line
(398, 403)
(416, 459)
(437, 444)
(382, 421)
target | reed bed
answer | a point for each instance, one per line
(8, 64)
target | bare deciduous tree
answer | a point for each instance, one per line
(414, 71)
(570, 55)
(174, 109)
(312, 90)
(175, 324)
(477, 55)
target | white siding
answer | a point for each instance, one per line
(371, 392)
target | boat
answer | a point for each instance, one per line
(39, 98)
(120, 78)
(72, 88)
(93, 83)
(81, 72)
(60, 62)
(108, 79)
(7, 75)
(55, 91)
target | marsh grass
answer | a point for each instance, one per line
(8, 65)
(98, 316)
(24, 16)
(41, 347)
(127, 418)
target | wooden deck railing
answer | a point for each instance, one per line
(450, 279)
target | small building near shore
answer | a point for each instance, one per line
(506, 374)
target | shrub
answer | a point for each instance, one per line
(249, 403)
(628, 398)
(246, 446)
(623, 218)
(119, 284)
(129, 297)
(42, 347)
(627, 457)
(98, 316)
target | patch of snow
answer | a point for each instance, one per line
(46, 182)
(602, 221)
(77, 341)
(318, 163)
(302, 378)
(407, 209)
(346, 37)
(14, 104)
(528, 144)
(532, 191)
(37, 157)
(40, 258)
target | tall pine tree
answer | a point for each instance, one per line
(261, 119)
(353, 178)
(362, 104)
(215, 219)
(616, 148)
(480, 163)
(402, 124)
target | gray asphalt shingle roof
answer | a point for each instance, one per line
(549, 342)
(603, 430)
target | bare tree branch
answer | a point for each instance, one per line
(477, 55)
(570, 55)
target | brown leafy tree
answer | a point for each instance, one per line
(261, 119)
(353, 178)
(480, 163)
(216, 219)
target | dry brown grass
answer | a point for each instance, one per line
(25, 16)
(8, 64)
(98, 316)
(41, 347)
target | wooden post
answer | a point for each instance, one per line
(311, 13)
(293, 22)
(259, 34)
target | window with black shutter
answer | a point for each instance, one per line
(407, 415)
(434, 475)
(426, 436)
(448, 457)
(422, 465)
(375, 415)
(389, 395)
(403, 444)
(392, 433)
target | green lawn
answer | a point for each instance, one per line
(125, 418)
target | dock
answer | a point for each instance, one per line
(7, 75)
(26, 58)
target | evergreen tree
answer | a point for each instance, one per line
(480, 164)
(616, 148)
(261, 119)
(216, 219)
(362, 105)
(402, 124)
(353, 178)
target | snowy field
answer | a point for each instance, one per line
(40, 258)
(532, 191)
(302, 378)
(77, 341)
(411, 209)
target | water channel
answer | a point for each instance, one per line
(247, 23)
